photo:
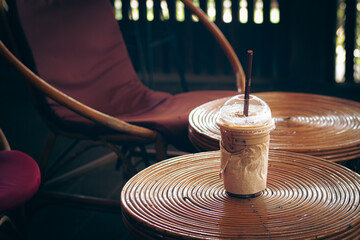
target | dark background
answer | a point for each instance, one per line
(298, 54)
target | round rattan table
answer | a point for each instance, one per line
(183, 197)
(318, 125)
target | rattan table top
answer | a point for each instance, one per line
(318, 125)
(183, 197)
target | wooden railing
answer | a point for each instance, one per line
(173, 43)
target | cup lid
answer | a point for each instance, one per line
(232, 112)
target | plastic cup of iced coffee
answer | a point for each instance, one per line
(244, 145)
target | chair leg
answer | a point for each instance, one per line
(160, 148)
(16, 218)
(62, 161)
(144, 155)
(47, 150)
(93, 165)
(82, 201)
(7, 223)
(122, 158)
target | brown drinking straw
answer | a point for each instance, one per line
(248, 81)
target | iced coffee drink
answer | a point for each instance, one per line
(244, 145)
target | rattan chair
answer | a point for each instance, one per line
(147, 117)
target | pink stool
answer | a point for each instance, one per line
(19, 179)
(19, 182)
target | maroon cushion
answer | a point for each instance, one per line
(171, 117)
(19, 179)
(79, 49)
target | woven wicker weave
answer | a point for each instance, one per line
(183, 197)
(318, 125)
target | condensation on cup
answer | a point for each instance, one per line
(244, 145)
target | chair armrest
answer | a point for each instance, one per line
(71, 103)
(4, 145)
(223, 42)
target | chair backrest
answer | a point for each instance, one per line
(78, 48)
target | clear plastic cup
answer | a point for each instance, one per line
(244, 145)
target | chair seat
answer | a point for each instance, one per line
(19, 179)
(169, 117)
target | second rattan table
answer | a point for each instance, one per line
(323, 126)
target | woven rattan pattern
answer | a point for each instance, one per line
(183, 197)
(322, 126)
